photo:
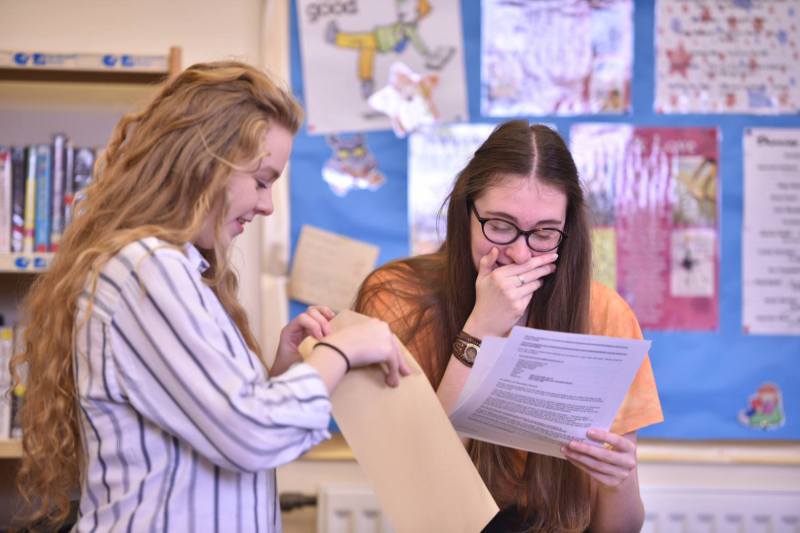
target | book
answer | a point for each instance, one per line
(17, 198)
(5, 200)
(69, 183)
(17, 393)
(30, 200)
(83, 170)
(44, 193)
(6, 350)
(57, 213)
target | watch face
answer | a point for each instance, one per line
(470, 353)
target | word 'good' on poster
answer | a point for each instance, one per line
(728, 57)
(349, 46)
(653, 198)
(556, 57)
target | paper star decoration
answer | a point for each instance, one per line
(679, 60)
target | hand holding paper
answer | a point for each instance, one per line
(610, 464)
(538, 390)
(314, 322)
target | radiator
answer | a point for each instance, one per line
(355, 509)
(675, 510)
(349, 509)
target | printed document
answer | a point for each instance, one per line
(538, 390)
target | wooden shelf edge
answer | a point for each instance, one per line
(174, 61)
(711, 452)
(333, 449)
(649, 451)
(10, 448)
(720, 452)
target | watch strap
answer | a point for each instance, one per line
(461, 343)
(463, 335)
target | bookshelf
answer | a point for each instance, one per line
(82, 95)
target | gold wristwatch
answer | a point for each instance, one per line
(465, 348)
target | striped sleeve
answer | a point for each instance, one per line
(183, 368)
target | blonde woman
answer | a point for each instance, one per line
(146, 388)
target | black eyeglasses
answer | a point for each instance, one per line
(499, 231)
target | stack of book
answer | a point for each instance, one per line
(38, 186)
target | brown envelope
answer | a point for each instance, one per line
(408, 449)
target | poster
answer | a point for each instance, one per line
(771, 232)
(435, 157)
(348, 48)
(738, 56)
(652, 194)
(556, 57)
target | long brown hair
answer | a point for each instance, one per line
(164, 170)
(439, 292)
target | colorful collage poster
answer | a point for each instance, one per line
(556, 57)
(653, 196)
(771, 232)
(404, 55)
(435, 157)
(739, 56)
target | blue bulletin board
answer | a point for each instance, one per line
(704, 378)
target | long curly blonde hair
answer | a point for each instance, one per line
(164, 170)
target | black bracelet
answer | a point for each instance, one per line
(337, 350)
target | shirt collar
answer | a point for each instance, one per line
(196, 258)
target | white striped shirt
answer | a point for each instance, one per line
(182, 427)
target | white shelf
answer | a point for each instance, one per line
(25, 263)
(24, 65)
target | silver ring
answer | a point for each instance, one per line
(521, 281)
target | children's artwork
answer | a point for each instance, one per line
(351, 165)
(771, 232)
(738, 56)
(764, 408)
(652, 194)
(435, 156)
(348, 49)
(692, 256)
(556, 57)
(407, 99)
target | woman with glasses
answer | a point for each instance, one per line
(517, 251)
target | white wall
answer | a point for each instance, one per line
(206, 30)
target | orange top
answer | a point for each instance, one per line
(609, 316)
